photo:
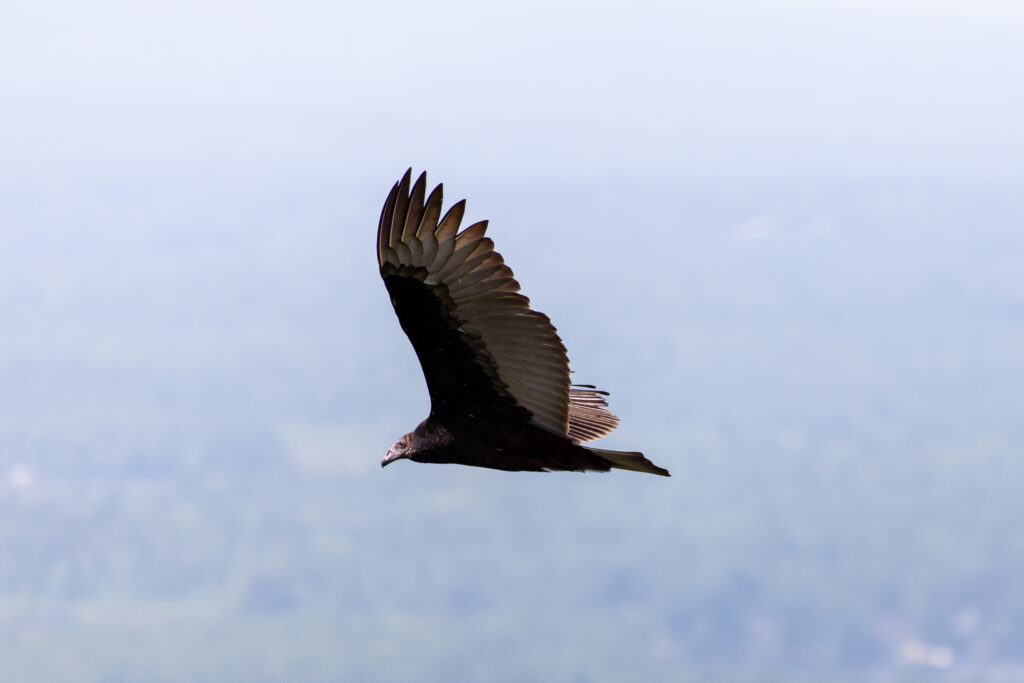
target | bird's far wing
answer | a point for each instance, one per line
(588, 417)
(461, 308)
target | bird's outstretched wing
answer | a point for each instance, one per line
(482, 348)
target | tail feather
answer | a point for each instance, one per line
(629, 461)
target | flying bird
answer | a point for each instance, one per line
(496, 371)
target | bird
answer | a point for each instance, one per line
(496, 370)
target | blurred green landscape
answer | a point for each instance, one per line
(199, 381)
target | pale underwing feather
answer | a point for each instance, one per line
(588, 417)
(416, 209)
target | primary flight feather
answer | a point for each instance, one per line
(496, 371)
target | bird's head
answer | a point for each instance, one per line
(402, 448)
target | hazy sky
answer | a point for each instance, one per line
(771, 88)
(784, 234)
(199, 142)
(153, 151)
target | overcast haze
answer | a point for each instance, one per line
(698, 90)
(786, 237)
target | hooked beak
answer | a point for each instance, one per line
(392, 456)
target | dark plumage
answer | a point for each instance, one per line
(497, 373)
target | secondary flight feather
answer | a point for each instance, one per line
(496, 371)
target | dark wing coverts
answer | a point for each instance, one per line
(479, 343)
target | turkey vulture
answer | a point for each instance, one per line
(497, 373)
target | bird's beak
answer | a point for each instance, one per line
(391, 457)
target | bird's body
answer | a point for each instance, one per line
(497, 373)
(499, 445)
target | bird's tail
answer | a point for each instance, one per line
(629, 461)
